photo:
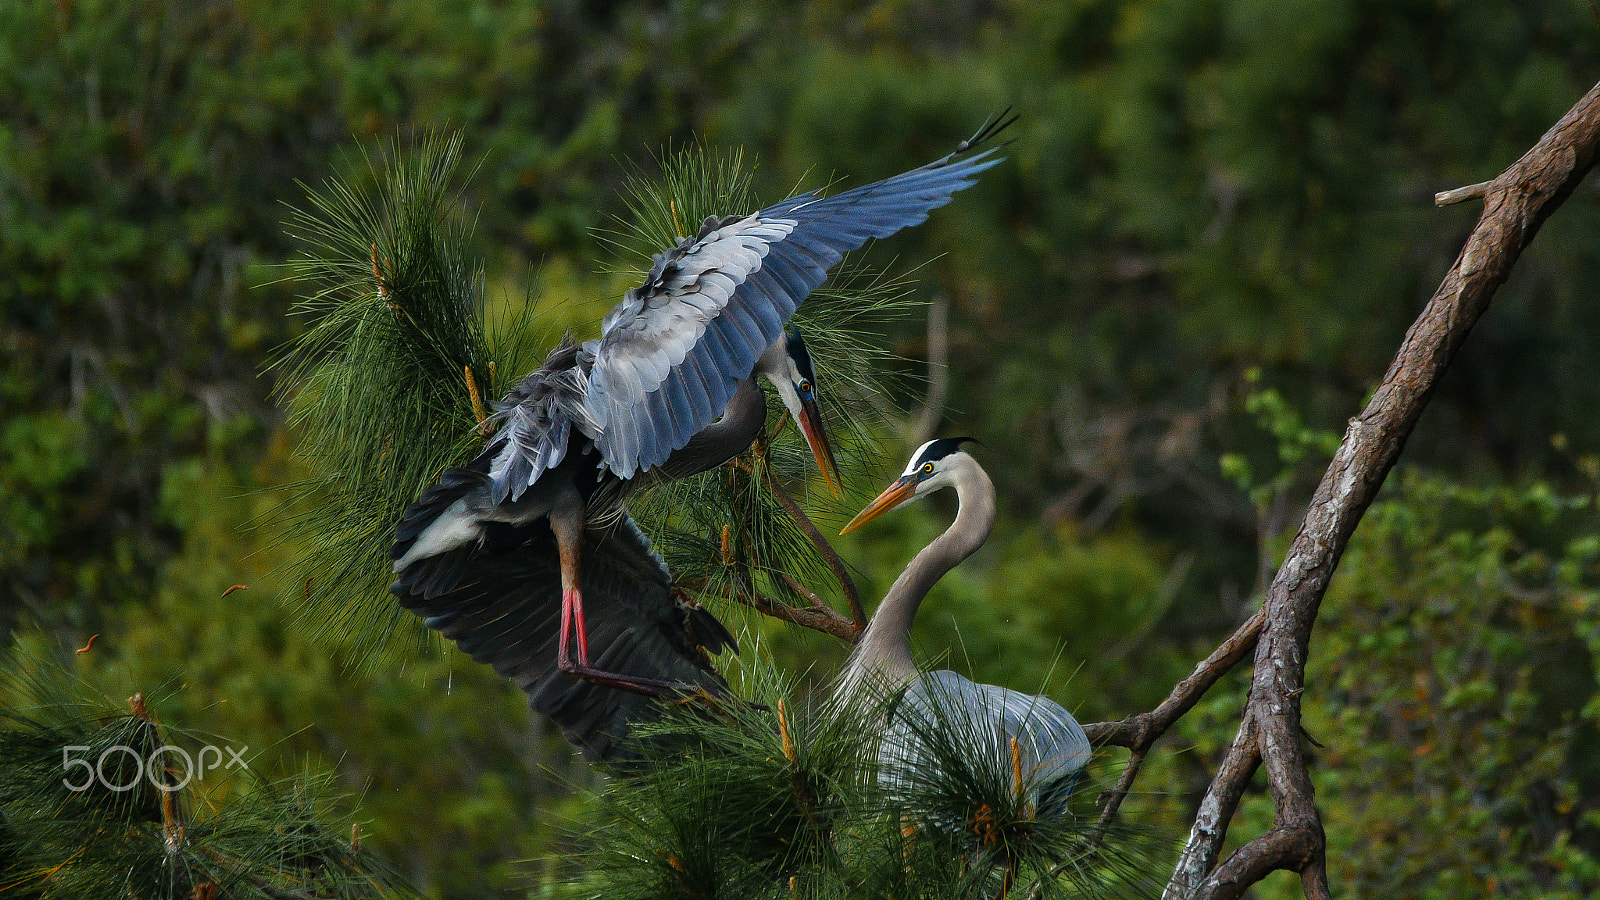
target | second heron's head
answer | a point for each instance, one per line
(788, 366)
(931, 468)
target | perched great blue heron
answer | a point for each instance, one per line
(1046, 743)
(525, 557)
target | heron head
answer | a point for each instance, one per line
(787, 365)
(928, 471)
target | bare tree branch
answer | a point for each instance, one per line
(1216, 810)
(817, 617)
(852, 594)
(1516, 203)
(1141, 731)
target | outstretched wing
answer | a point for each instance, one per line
(675, 348)
(505, 611)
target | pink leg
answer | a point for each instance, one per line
(581, 629)
(566, 625)
(567, 523)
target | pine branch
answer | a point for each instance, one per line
(387, 384)
(84, 803)
(788, 800)
(858, 617)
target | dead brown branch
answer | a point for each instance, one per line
(852, 594)
(1516, 203)
(817, 617)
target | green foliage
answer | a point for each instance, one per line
(1293, 439)
(450, 777)
(383, 383)
(771, 801)
(94, 803)
(1459, 676)
(1198, 188)
(1451, 698)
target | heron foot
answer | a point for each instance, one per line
(699, 695)
(637, 684)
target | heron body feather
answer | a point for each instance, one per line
(1052, 748)
(537, 418)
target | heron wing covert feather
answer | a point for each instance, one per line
(675, 348)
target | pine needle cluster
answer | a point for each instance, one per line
(97, 802)
(776, 801)
(390, 378)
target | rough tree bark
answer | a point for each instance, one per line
(1516, 203)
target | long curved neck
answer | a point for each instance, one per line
(884, 651)
(721, 441)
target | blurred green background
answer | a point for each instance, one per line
(1214, 227)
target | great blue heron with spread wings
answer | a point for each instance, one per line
(1048, 746)
(525, 556)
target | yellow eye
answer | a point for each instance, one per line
(927, 468)
(805, 387)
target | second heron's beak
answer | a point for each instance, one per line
(817, 439)
(902, 490)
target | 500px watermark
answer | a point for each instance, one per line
(162, 762)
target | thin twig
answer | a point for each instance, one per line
(829, 556)
(1462, 194)
(1113, 798)
(173, 829)
(1140, 732)
(818, 618)
(795, 585)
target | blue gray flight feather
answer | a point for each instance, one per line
(672, 352)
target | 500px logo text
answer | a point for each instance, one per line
(161, 762)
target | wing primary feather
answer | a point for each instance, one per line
(795, 277)
(740, 280)
(718, 353)
(697, 386)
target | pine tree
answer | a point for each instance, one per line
(97, 802)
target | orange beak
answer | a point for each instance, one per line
(817, 440)
(902, 490)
